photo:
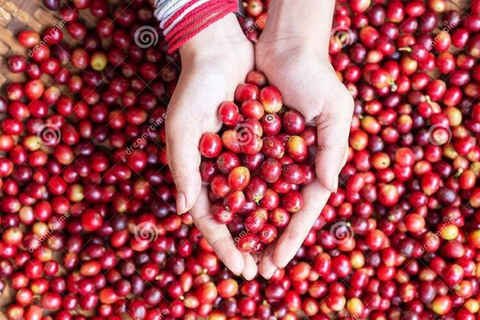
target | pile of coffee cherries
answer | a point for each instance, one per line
(87, 202)
(258, 162)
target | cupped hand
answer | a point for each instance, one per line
(309, 84)
(213, 63)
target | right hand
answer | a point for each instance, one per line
(214, 62)
(309, 84)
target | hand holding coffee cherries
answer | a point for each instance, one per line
(213, 64)
(259, 165)
(308, 84)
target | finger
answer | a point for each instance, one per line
(333, 128)
(184, 158)
(267, 266)
(217, 235)
(250, 270)
(315, 197)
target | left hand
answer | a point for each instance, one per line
(309, 84)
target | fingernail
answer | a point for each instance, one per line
(247, 277)
(270, 272)
(236, 272)
(181, 203)
(280, 263)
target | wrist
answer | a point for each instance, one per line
(215, 40)
(280, 43)
(304, 25)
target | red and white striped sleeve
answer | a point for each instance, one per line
(181, 20)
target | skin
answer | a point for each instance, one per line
(214, 63)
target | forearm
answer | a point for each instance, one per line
(308, 22)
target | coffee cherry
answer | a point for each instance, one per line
(228, 113)
(271, 99)
(234, 201)
(28, 39)
(279, 217)
(210, 145)
(245, 92)
(296, 147)
(221, 214)
(239, 178)
(227, 161)
(270, 170)
(273, 147)
(252, 109)
(271, 124)
(292, 201)
(248, 243)
(256, 189)
(255, 222)
(293, 122)
(268, 234)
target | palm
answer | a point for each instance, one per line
(305, 82)
(205, 87)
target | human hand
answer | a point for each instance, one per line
(213, 63)
(310, 85)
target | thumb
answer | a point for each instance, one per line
(333, 127)
(184, 159)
